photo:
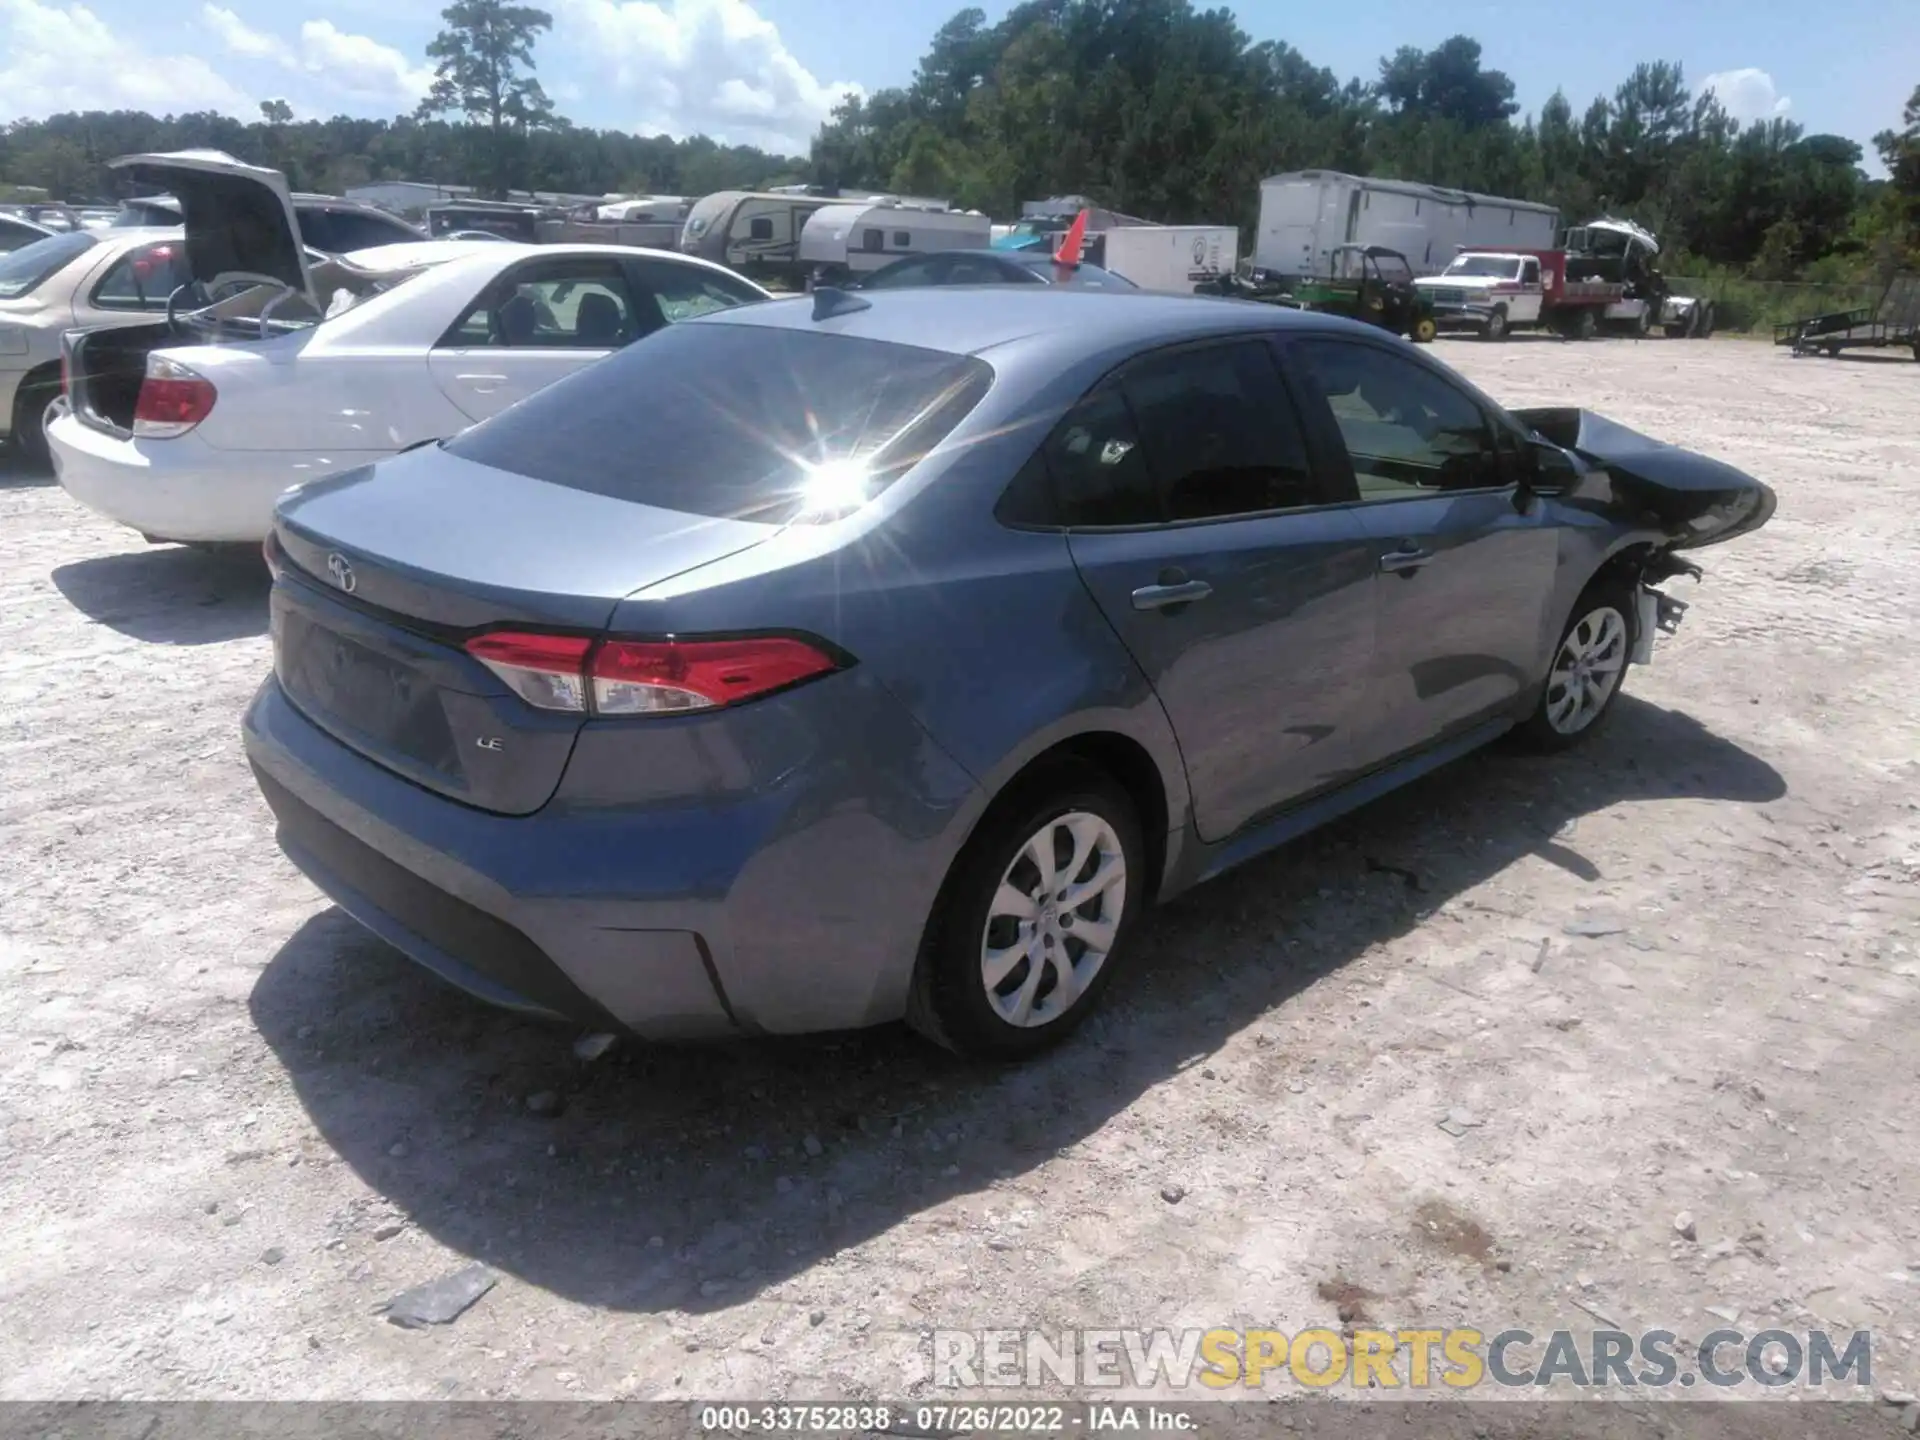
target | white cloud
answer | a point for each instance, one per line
(56, 57)
(684, 67)
(242, 39)
(362, 66)
(353, 65)
(1747, 95)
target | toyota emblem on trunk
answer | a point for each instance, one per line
(341, 569)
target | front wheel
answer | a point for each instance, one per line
(1496, 324)
(1589, 666)
(1423, 330)
(1027, 929)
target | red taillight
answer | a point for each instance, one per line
(173, 399)
(645, 677)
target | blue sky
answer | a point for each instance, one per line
(765, 71)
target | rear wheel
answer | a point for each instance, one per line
(1585, 324)
(1423, 330)
(1707, 317)
(1028, 926)
(1589, 667)
(30, 402)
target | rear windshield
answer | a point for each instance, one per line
(738, 421)
(23, 269)
(1092, 277)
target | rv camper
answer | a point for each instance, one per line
(754, 232)
(844, 240)
(1307, 214)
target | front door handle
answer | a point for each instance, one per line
(1160, 597)
(1405, 560)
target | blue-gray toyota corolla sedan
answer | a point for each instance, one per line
(843, 659)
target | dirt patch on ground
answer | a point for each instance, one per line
(1441, 1227)
(233, 1125)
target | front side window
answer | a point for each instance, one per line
(1407, 431)
(580, 307)
(142, 279)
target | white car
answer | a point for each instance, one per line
(189, 430)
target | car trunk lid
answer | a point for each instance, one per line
(239, 218)
(387, 572)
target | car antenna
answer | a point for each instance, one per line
(831, 300)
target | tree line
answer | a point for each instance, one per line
(1151, 107)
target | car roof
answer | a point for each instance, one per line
(966, 320)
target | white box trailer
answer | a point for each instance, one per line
(1305, 214)
(1170, 257)
(843, 240)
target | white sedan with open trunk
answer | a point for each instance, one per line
(190, 428)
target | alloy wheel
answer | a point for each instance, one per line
(1587, 670)
(1054, 919)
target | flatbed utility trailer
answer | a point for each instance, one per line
(1895, 321)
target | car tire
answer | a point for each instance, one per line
(1423, 330)
(1598, 632)
(978, 988)
(1496, 327)
(29, 435)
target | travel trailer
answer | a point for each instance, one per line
(1306, 214)
(754, 232)
(839, 241)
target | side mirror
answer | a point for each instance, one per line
(1553, 468)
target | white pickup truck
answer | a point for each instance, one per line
(1485, 290)
(1603, 275)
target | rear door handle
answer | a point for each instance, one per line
(1403, 561)
(1159, 597)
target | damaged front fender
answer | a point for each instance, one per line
(1693, 499)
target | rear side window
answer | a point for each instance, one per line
(143, 279)
(1195, 434)
(576, 304)
(26, 269)
(684, 291)
(737, 421)
(902, 277)
(341, 231)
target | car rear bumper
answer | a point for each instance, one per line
(778, 911)
(180, 488)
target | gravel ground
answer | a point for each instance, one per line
(235, 1125)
